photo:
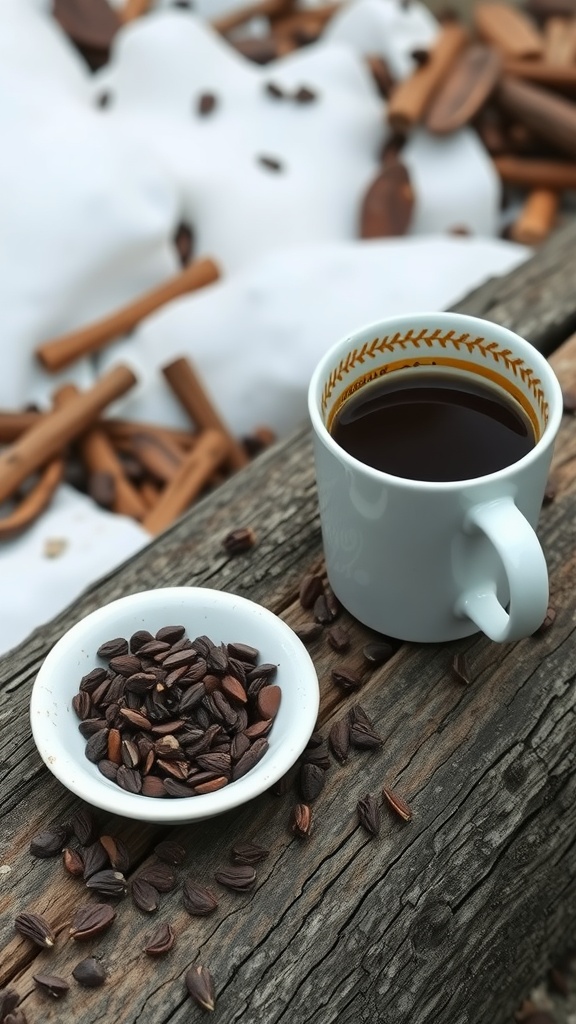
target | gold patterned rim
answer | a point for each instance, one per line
(496, 358)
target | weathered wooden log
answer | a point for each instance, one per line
(447, 918)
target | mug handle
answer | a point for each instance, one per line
(523, 559)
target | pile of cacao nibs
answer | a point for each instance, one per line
(167, 716)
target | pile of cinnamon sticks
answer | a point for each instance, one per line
(511, 75)
(150, 472)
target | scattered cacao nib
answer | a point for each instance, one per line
(346, 678)
(338, 639)
(248, 853)
(397, 804)
(206, 104)
(271, 163)
(302, 821)
(50, 843)
(89, 973)
(170, 852)
(364, 737)
(160, 941)
(160, 876)
(145, 896)
(369, 814)
(305, 95)
(311, 782)
(198, 900)
(309, 632)
(51, 985)
(91, 920)
(200, 985)
(240, 540)
(377, 652)
(36, 928)
(339, 740)
(108, 883)
(311, 587)
(274, 90)
(460, 668)
(239, 878)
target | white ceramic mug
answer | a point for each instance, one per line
(426, 561)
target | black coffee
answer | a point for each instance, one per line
(432, 426)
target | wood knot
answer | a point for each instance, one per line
(432, 926)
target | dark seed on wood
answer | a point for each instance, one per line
(240, 540)
(73, 863)
(49, 844)
(309, 632)
(52, 985)
(117, 851)
(198, 900)
(339, 740)
(36, 928)
(377, 652)
(338, 638)
(460, 669)
(89, 973)
(312, 779)
(364, 737)
(322, 614)
(200, 985)
(311, 588)
(108, 883)
(91, 920)
(160, 876)
(160, 941)
(302, 821)
(397, 804)
(346, 678)
(369, 814)
(145, 896)
(9, 1000)
(170, 852)
(95, 858)
(240, 878)
(248, 853)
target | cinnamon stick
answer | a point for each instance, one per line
(537, 217)
(53, 431)
(161, 458)
(527, 172)
(196, 470)
(551, 117)
(133, 9)
(35, 502)
(560, 41)
(99, 456)
(411, 98)
(123, 430)
(465, 90)
(552, 76)
(508, 28)
(60, 352)
(185, 384)
(12, 424)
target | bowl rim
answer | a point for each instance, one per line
(99, 793)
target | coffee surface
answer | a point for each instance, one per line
(433, 426)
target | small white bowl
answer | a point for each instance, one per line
(220, 616)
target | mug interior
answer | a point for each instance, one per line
(376, 352)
